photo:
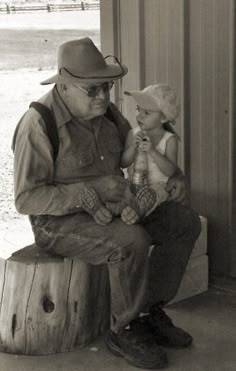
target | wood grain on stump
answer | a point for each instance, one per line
(49, 304)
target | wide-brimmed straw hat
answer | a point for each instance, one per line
(159, 97)
(80, 60)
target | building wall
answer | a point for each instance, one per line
(211, 81)
(191, 45)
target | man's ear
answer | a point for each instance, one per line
(63, 88)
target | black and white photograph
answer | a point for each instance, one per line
(118, 185)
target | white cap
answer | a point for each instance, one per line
(159, 97)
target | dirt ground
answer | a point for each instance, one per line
(26, 59)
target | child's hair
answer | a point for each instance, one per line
(159, 97)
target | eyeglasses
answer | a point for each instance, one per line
(94, 91)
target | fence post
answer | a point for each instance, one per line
(82, 5)
(8, 9)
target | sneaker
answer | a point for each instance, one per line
(146, 200)
(163, 329)
(139, 350)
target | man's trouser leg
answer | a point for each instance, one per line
(174, 228)
(123, 248)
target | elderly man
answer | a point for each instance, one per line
(66, 196)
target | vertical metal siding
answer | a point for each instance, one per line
(232, 201)
(164, 60)
(132, 51)
(210, 121)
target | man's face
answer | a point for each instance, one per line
(87, 101)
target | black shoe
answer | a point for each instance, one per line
(163, 329)
(139, 350)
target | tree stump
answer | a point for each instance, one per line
(49, 304)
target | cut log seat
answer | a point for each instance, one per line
(49, 304)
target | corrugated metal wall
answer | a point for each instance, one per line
(189, 44)
(211, 48)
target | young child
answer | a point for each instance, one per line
(157, 109)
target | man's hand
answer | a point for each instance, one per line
(110, 188)
(177, 188)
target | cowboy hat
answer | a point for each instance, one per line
(80, 60)
(159, 97)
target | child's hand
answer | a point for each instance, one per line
(139, 138)
(146, 144)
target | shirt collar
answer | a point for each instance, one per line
(61, 112)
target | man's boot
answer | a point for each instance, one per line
(138, 349)
(161, 326)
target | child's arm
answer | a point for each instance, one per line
(129, 151)
(167, 162)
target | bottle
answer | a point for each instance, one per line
(140, 167)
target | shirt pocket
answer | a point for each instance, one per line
(76, 163)
(83, 158)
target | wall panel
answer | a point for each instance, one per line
(210, 121)
(132, 51)
(164, 51)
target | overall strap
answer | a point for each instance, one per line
(111, 116)
(51, 126)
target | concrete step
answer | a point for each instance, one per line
(195, 280)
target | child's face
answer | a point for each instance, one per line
(148, 120)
